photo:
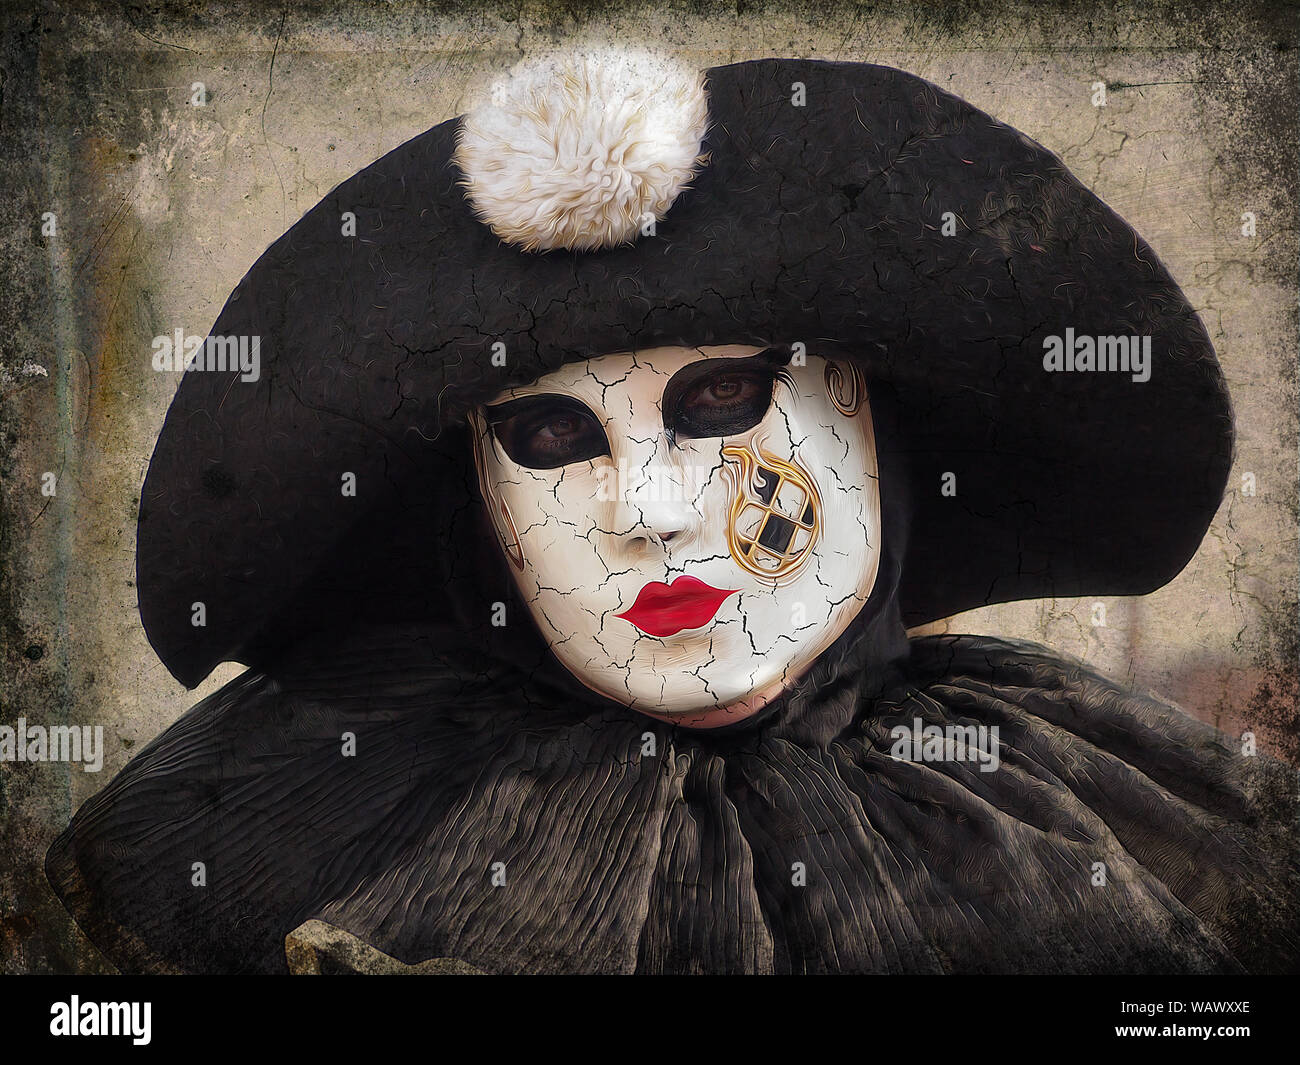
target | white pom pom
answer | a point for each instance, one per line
(580, 152)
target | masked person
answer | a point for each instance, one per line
(571, 529)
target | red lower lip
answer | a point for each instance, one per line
(666, 609)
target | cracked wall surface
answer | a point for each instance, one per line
(161, 206)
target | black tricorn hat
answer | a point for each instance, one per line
(854, 208)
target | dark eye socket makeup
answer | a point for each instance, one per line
(709, 398)
(722, 397)
(546, 432)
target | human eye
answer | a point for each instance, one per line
(723, 402)
(546, 432)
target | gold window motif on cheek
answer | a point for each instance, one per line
(775, 513)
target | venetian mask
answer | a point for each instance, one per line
(690, 527)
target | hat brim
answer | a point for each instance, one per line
(821, 223)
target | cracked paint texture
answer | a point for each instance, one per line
(591, 542)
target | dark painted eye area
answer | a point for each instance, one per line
(546, 432)
(723, 402)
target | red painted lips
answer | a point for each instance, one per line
(666, 609)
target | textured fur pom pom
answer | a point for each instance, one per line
(578, 153)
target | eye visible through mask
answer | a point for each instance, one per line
(722, 397)
(546, 432)
(709, 398)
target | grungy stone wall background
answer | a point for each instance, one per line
(161, 207)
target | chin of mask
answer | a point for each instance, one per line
(690, 527)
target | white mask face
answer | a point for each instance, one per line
(690, 527)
